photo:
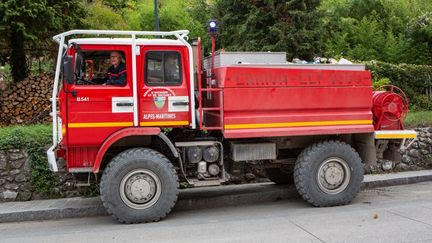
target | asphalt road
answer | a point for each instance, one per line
(392, 214)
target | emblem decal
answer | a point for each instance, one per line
(159, 101)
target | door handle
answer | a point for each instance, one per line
(124, 104)
(180, 103)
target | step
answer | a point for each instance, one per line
(211, 128)
(205, 183)
(211, 89)
(211, 108)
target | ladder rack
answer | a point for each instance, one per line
(180, 34)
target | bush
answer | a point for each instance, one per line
(34, 139)
(412, 79)
(421, 102)
(380, 82)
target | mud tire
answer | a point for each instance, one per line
(310, 161)
(139, 159)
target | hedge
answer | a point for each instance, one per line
(413, 79)
(34, 139)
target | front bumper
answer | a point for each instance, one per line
(52, 161)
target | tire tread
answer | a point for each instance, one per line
(302, 171)
(114, 166)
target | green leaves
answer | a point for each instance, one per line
(34, 139)
(102, 17)
(29, 25)
(412, 79)
(394, 31)
(292, 26)
(24, 136)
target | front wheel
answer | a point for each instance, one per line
(328, 174)
(139, 185)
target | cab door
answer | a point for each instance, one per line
(164, 97)
(95, 111)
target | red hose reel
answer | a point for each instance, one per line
(390, 108)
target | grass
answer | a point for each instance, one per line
(23, 136)
(419, 119)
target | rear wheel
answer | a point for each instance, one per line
(328, 173)
(139, 185)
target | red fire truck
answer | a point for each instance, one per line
(181, 119)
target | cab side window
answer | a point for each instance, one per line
(100, 68)
(163, 68)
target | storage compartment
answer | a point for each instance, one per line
(223, 59)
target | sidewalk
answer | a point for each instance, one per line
(195, 198)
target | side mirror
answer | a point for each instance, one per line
(68, 69)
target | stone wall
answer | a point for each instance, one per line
(15, 179)
(417, 157)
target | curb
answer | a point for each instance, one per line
(194, 198)
(396, 179)
(52, 209)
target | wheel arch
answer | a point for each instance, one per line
(123, 134)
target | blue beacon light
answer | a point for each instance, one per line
(213, 28)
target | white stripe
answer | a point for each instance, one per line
(55, 91)
(396, 133)
(134, 82)
(191, 75)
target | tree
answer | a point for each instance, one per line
(292, 26)
(387, 30)
(173, 15)
(117, 5)
(29, 24)
(297, 29)
(103, 17)
(420, 39)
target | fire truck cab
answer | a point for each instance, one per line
(175, 117)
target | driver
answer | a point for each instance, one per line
(116, 74)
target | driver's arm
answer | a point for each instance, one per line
(117, 79)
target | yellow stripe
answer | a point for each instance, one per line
(100, 124)
(126, 124)
(298, 124)
(395, 136)
(164, 123)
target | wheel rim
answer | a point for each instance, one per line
(333, 175)
(140, 189)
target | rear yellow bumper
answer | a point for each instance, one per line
(396, 134)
